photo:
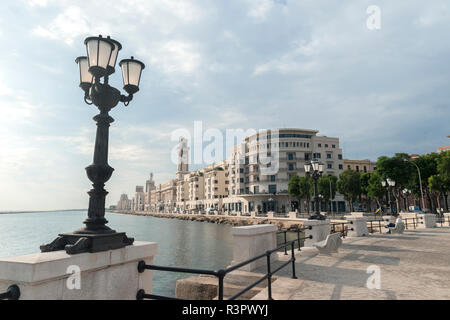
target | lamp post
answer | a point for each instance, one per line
(315, 170)
(406, 192)
(389, 183)
(420, 183)
(100, 63)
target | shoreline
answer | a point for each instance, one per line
(236, 221)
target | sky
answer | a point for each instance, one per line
(230, 64)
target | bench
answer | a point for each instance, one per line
(399, 228)
(330, 244)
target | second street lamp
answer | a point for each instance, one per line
(99, 63)
(388, 184)
(315, 170)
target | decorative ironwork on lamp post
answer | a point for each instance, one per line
(389, 184)
(315, 170)
(100, 63)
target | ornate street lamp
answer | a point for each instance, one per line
(100, 63)
(315, 170)
(389, 184)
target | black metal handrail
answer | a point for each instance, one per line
(379, 226)
(12, 293)
(441, 220)
(296, 230)
(344, 228)
(414, 222)
(220, 274)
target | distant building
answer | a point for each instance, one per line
(360, 165)
(124, 203)
(139, 199)
(443, 149)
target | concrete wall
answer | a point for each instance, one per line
(250, 241)
(107, 275)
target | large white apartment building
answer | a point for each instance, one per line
(261, 167)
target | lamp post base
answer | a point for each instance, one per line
(74, 243)
(317, 216)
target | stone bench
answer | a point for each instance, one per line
(399, 228)
(330, 244)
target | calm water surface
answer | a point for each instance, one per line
(180, 243)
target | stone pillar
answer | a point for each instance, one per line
(447, 219)
(427, 220)
(270, 215)
(250, 241)
(359, 226)
(319, 231)
(293, 215)
(106, 275)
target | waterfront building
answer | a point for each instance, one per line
(124, 203)
(254, 178)
(360, 165)
(443, 149)
(139, 199)
(149, 187)
(261, 187)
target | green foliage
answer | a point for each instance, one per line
(349, 185)
(375, 189)
(300, 188)
(323, 186)
(397, 168)
(443, 166)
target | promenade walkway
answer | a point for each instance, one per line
(413, 265)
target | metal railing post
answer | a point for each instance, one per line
(298, 238)
(285, 242)
(221, 275)
(293, 260)
(269, 278)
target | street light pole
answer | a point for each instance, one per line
(420, 183)
(315, 170)
(100, 63)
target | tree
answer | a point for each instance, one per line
(375, 189)
(437, 186)
(349, 185)
(443, 168)
(300, 188)
(427, 164)
(365, 178)
(398, 169)
(324, 184)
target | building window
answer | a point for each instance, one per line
(290, 156)
(329, 155)
(272, 178)
(357, 168)
(341, 167)
(272, 188)
(319, 145)
(326, 145)
(333, 146)
(340, 156)
(291, 166)
(365, 169)
(330, 166)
